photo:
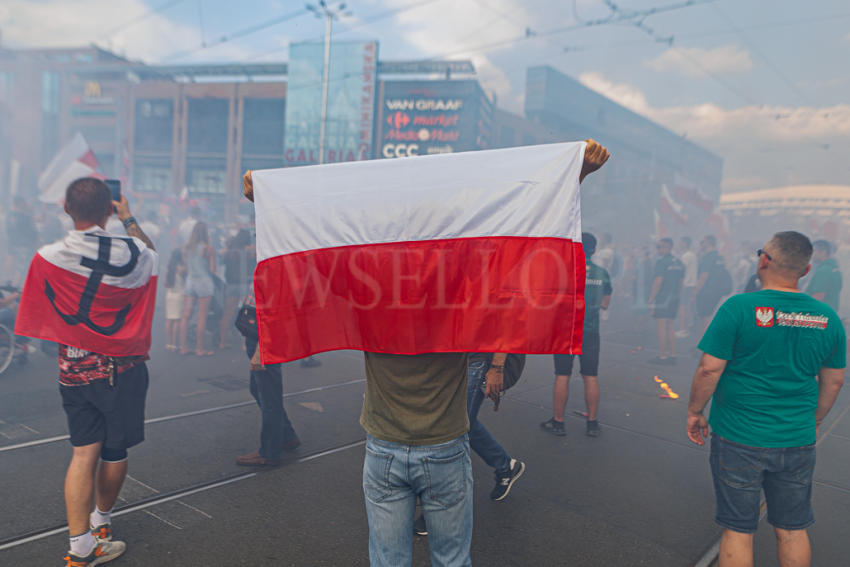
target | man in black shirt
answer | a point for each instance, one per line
(664, 299)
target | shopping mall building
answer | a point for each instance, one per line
(193, 129)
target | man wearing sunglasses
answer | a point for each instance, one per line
(773, 365)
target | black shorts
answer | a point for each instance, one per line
(114, 415)
(588, 359)
(669, 309)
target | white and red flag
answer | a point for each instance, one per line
(466, 252)
(76, 159)
(92, 290)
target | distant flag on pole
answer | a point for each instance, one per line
(76, 159)
(466, 252)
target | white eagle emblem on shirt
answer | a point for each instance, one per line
(764, 316)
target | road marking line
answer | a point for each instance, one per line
(151, 488)
(163, 520)
(198, 510)
(177, 496)
(47, 440)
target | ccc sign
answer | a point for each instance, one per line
(400, 150)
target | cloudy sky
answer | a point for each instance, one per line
(766, 85)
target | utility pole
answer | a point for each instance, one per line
(330, 13)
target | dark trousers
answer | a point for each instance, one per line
(267, 389)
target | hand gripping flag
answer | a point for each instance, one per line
(91, 290)
(467, 252)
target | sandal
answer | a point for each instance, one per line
(172, 348)
(204, 353)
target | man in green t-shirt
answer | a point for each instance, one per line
(826, 281)
(597, 295)
(664, 299)
(773, 365)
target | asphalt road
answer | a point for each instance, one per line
(640, 494)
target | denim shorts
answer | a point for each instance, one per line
(741, 473)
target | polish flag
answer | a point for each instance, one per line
(670, 207)
(76, 159)
(92, 290)
(465, 252)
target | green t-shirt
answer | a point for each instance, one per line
(827, 280)
(596, 286)
(415, 399)
(775, 343)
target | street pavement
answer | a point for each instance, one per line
(640, 494)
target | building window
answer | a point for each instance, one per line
(207, 129)
(205, 175)
(154, 125)
(152, 174)
(262, 127)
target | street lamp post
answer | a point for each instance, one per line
(330, 13)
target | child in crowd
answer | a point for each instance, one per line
(174, 280)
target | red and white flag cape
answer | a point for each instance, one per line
(467, 252)
(92, 290)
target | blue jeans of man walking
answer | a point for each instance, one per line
(267, 388)
(441, 476)
(490, 451)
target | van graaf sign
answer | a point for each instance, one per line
(351, 102)
(433, 119)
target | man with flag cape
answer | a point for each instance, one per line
(93, 293)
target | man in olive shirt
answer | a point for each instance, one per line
(415, 417)
(773, 365)
(826, 281)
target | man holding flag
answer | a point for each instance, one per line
(93, 293)
(417, 263)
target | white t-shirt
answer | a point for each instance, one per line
(689, 259)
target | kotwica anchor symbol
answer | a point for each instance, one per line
(99, 268)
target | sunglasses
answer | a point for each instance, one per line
(761, 252)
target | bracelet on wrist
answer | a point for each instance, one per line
(129, 221)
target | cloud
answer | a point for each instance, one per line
(472, 24)
(58, 23)
(690, 61)
(761, 144)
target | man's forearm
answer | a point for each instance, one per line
(133, 229)
(499, 359)
(704, 384)
(829, 385)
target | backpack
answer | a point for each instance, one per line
(246, 319)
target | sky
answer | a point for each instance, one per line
(765, 85)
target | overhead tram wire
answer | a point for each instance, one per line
(239, 34)
(791, 86)
(361, 23)
(141, 18)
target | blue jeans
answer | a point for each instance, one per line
(441, 476)
(479, 438)
(267, 389)
(740, 474)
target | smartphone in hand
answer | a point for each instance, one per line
(114, 188)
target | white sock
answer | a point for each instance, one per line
(82, 544)
(99, 518)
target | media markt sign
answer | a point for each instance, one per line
(352, 83)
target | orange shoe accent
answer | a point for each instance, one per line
(72, 563)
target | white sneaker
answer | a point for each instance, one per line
(681, 334)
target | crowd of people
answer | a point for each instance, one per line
(420, 411)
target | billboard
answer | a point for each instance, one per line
(352, 80)
(433, 117)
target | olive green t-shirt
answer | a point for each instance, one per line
(415, 399)
(775, 343)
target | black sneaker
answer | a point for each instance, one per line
(554, 427)
(419, 527)
(504, 483)
(593, 428)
